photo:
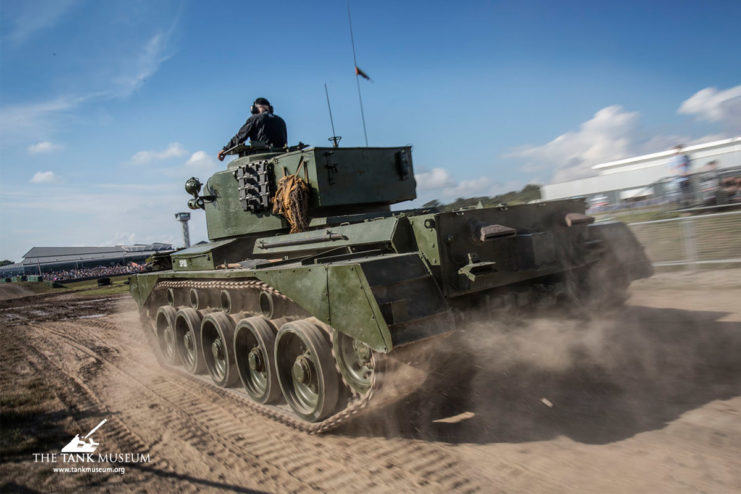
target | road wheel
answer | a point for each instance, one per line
(254, 342)
(165, 326)
(217, 339)
(306, 370)
(187, 329)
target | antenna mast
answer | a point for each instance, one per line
(335, 139)
(357, 81)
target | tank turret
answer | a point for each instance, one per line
(343, 181)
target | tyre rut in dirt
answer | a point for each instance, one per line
(82, 401)
(254, 352)
(188, 341)
(196, 414)
(306, 370)
(174, 393)
(165, 326)
(217, 339)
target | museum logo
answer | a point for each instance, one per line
(77, 445)
(81, 451)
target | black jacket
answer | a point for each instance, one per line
(264, 127)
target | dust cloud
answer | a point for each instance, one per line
(603, 376)
(8, 291)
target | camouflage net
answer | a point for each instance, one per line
(292, 199)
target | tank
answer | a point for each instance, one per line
(310, 328)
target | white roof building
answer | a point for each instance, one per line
(632, 175)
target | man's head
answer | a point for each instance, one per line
(261, 105)
(678, 149)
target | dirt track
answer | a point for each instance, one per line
(647, 398)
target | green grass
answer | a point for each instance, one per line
(90, 287)
(36, 287)
(80, 285)
(114, 289)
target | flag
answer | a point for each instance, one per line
(361, 73)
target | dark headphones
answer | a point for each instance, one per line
(255, 111)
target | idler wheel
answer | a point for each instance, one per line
(187, 330)
(254, 342)
(306, 371)
(355, 361)
(165, 327)
(217, 337)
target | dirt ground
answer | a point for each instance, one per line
(9, 291)
(646, 398)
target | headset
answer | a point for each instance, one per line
(255, 111)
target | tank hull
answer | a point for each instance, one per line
(346, 307)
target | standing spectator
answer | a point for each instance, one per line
(680, 164)
(709, 183)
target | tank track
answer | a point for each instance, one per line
(386, 386)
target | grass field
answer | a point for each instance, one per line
(89, 287)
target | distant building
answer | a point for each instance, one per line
(643, 177)
(47, 259)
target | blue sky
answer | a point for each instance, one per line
(107, 107)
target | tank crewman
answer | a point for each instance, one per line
(263, 126)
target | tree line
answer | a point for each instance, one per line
(530, 192)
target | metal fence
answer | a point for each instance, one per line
(692, 240)
(706, 187)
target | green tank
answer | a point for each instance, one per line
(310, 328)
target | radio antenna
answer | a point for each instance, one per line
(357, 73)
(335, 139)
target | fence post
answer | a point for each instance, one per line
(690, 241)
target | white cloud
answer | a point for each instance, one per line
(44, 178)
(120, 238)
(42, 147)
(34, 118)
(439, 184)
(20, 121)
(173, 150)
(613, 133)
(201, 162)
(97, 216)
(482, 186)
(152, 55)
(434, 179)
(32, 18)
(609, 135)
(713, 105)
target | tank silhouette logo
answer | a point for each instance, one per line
(79, 456)
(77, 445)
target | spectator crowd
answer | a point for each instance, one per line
(96, 272)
